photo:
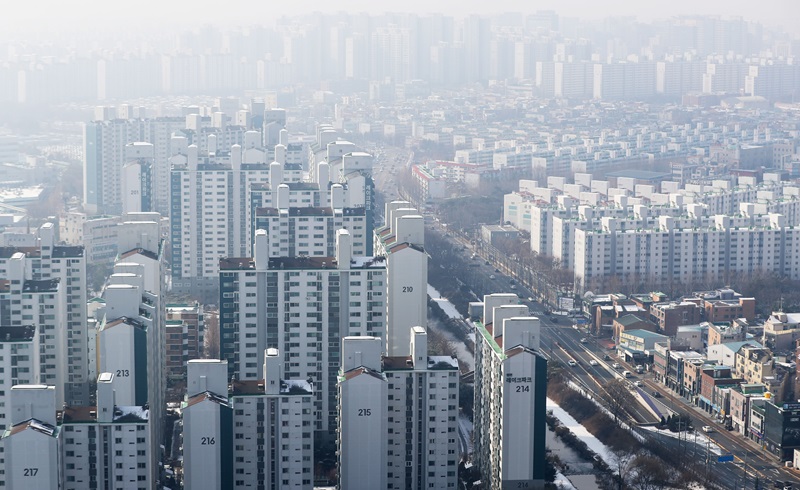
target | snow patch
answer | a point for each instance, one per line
(446, 306)
(605, 453)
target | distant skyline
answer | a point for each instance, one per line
(88, 15)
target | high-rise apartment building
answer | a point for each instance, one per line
(109, 445)
(45, 285)
(130, 333)
(397, 416)
(104, 446)
(106, 156)
(255, 433)
(302, 306)
(184, 329)
(30, 442)
(401, 241)
(209, 211)
(510, 396)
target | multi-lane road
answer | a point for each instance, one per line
(562, 342)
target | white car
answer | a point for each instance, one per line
(572, 363)
(615, 365)
(638, 383)
(593, 363)
(708, 429)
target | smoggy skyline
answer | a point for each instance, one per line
(50, 16)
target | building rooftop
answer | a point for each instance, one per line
(64, 251)
(88, 414)
(361, 371)
(22, 333)
(34, 425)
(193, 400)
(43, 286)
(138, 251)
(644, 334)
(256, 387)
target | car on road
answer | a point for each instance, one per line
(491, 276)
(496, 269)
(606, 357)
(593, 363)
(584, 340)
(513, 286)
(572, 363)
(656, 394)
(554, 319)
(616, 365)
(639, 383)
(708, 429)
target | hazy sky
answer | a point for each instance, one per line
(118, 15)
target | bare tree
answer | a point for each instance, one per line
(649, 473)
(621, 464)
(617, 398)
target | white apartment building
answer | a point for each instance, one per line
(98, 235)
(682, 235)
(716, 248)
(30, 442)
(397, 416)
(260, 434)
(510, 396)
(302, 306)
(45, 285)
(130, 330)
(402, 242)
(19, 365)
(105, 156)
(104, 446)
(310, 231)
(107, 446)
(209, 196)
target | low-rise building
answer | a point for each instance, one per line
(724, 332)
(782, 331)
(740, 399)
(670, 316)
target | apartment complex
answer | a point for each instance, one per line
(209, 209)
(685, 234)
(302, 306)
(250, 434)
(104, 446)
(397, 416)
(45, 285)
(130, 329)
(402, 242)
(510, 396)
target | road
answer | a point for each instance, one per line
(486, 278)
(562, 343)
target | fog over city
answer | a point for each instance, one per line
(53, 16)
(473, 245)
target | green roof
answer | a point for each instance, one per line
(489, 339)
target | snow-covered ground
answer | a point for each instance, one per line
(464, 355)
(448, 307)
(697, 437)
(562, 481)
(580, 431)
